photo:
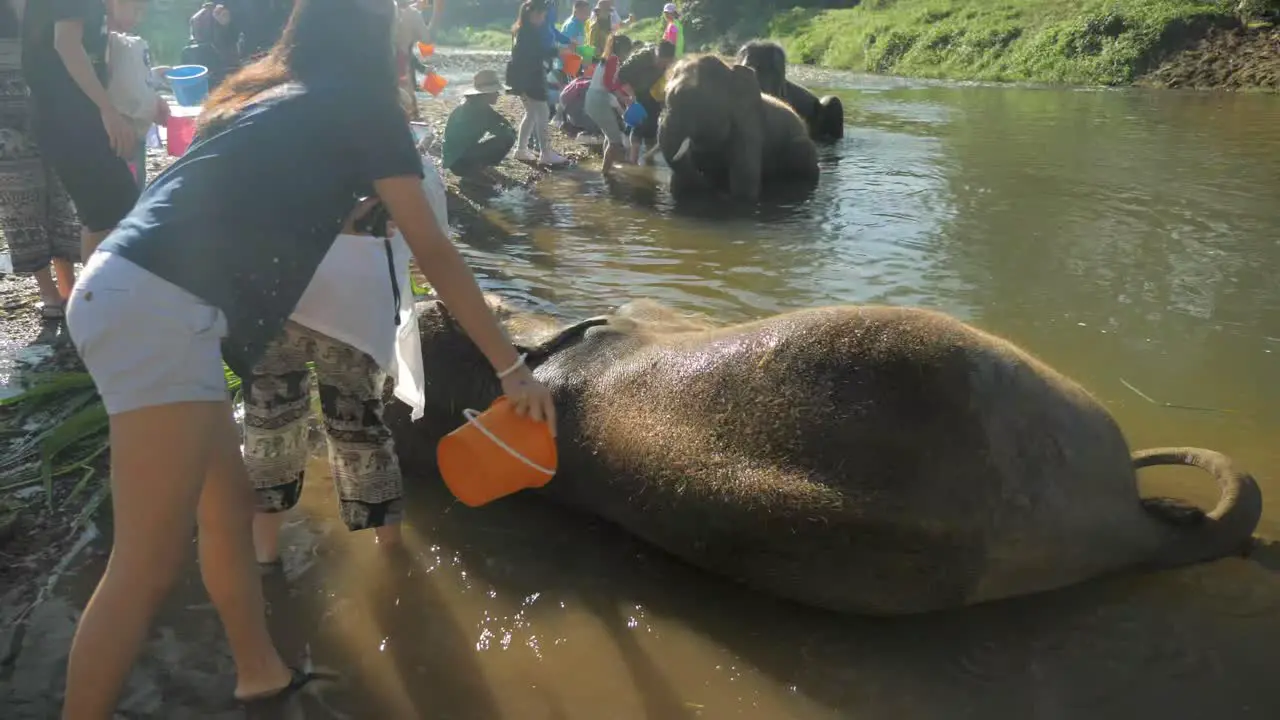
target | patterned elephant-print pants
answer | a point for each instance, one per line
(277, 407)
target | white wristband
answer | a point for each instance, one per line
(519, 363)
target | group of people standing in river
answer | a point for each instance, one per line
(593, 100)
(301, 153)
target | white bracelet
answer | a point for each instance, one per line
(519, 363)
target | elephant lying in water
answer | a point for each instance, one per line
(873, 460)
(720, 132)
(825, 116)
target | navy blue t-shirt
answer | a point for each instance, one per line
(243, 220)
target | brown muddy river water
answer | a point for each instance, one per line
(1123, 236)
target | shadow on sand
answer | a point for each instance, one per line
(1197, 642)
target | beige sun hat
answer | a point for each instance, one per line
(485, 82)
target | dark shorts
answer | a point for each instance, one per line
(648, 130)
(77, 147)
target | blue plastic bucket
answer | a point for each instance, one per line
(190, 84)
(634, 115)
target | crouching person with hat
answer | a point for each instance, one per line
(477, 136)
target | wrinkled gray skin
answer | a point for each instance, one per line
(824, 116)
(719, 132)
(871, 460)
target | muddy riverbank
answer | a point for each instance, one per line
(1237, 58)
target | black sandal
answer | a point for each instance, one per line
(299, 680)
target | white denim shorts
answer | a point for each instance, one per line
(145, 341)
(599, 107)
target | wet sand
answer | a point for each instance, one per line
(524, 610)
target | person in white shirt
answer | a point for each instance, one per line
(355, 323)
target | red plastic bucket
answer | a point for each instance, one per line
(179, 132)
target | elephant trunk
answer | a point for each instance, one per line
(1224, 531)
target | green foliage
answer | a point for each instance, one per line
(56, 430)
(167, 27)
(1102, 42)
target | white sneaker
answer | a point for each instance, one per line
(551, 157)
(526, 155)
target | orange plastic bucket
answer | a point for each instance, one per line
(572, 63)
(425, 50)
(434, 83)
(496, 453)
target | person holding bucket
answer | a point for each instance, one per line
(575, 28)
(86, 140)
(602, 103)
(208, 268)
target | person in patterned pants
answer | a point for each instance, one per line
(362, 459)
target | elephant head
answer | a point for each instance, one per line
(458, 375)
(713, 126)
(769, 61)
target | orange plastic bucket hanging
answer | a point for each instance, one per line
(434, 83)
(496, 453)
(572, 63)
(425, 50)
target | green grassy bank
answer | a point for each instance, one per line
(1085, 42)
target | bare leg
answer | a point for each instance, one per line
(388, 536)
(612, 154)
(159, 459)
(49, 294)
(89, 242)
(266, 536)
(227, 565)
(66, 275)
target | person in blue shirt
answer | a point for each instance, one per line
(208, 266)
(575, 28)
(554, 38)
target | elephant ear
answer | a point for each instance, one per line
(746, 156)
(541, 352)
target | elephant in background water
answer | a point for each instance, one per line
(873, 460)
(824, 117)
(720, 132)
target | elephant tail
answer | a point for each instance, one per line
(1198, 536)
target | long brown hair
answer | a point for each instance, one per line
(527, 8)
(324, 41)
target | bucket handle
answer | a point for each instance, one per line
(473, 417)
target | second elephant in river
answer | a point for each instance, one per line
(824, 116)
(720, 132)
(874, 460)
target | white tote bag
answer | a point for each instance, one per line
(350, 298)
